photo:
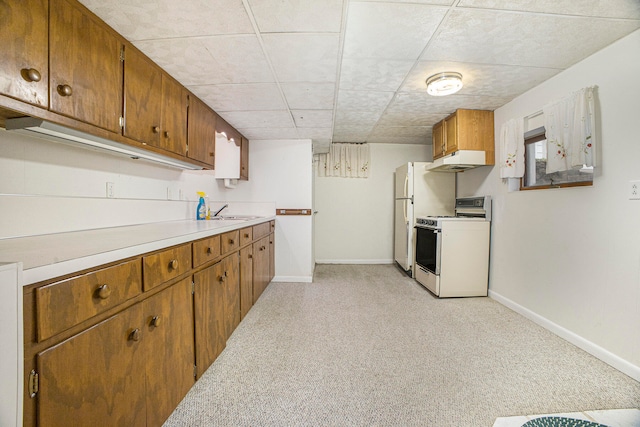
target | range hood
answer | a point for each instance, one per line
(40, 128)
(459, 161)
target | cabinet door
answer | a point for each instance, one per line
(24, 68)
(438, 140)
(201, 132)
(246, 280)
(174, 117)
(244, 159)
(96, 377)
(209, 315)
(272, 257)
(142, 98)
(451, 134)
(168, 332)
(85, 67)
(231, 281)
(260, 267)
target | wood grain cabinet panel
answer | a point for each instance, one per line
(246, 280)
(246, 235)
(173, 137)
(168, 331)
(465, 130)
(24, 43)
(244, 160)
(201, 133)
(166, 265)
(206, 250)
(142, 98)
(96, 378)
(85, 67)
(438, 140)
(232, 296)
(261, 230)
(65, 304)
(260, 267)
(229, 241)
(272, 257)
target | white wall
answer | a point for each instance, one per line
(354, 223)
(570, 258)
(48, 187)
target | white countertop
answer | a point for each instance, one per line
(52, 255)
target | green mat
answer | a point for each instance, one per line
(560, 422)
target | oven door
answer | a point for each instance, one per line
(427, 271)
(428, 248)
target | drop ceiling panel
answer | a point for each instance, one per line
(609, 8)
(364, 100)
(277, 16)
(313, 118)
(259, 119)
(371, 34)
(410, 118)
(269, 133)
(303, 57)
(156, 19)
(211, 60)
(506, 81)
(243, 97)
(316, 133)
(407, 102)
(373, 74)
(309, 96)
(348, 118)
(401, 140)
(423, 132)
(496, 37)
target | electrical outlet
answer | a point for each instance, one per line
(634, 190)
(111, 192)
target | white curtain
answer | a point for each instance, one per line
(512, 149)
(345, 160)
(570, 129)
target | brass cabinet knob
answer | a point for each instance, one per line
(65, 90)
(156, 129)
(231, 241)
(166, 135)
(221, 279)
(246, 235)
(249, 256)
(155, 321)
(209, 250)
(103, 291)
(134, 335)
(173, 264)
(210, 153)
(31, 74)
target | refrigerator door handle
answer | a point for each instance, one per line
(406, 187)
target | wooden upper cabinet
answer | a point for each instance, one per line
(201, 132)
(244, 160)
(24, 68)
(451, 134)
(174, 116)
(438, 140)
(142, 98)
(85, 67)
(465, 130)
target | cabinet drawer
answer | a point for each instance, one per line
(206, 250)
(62, 305)
(229, 242)
(163, 266)
(246, 236)
(261, 230)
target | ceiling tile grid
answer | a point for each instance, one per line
(355, 70)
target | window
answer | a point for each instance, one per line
(535, 170)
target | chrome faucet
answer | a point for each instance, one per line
(220, 210)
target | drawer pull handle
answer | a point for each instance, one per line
(134, 335)
(249, 256)
(246, 235)
(166, 135)
(156, 129)
(65, 90)
(103, 291)
(155, 321)
(173, 264)
(209, 250)
(31, 75)
(231, 241)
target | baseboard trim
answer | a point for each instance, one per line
(354, 261)
(595, 350)
(293, 279)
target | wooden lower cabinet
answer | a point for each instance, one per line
(96, 377)
(246, 280)
(217, 309)
(131, 369)
(260, 267)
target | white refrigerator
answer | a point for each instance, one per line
(419, 193)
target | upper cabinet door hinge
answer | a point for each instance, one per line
(122, 53)
(34, 383)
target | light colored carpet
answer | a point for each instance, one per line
(364, 345)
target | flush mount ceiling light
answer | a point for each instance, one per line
(446, 83)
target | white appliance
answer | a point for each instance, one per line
(452, 253)
(418, 192)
